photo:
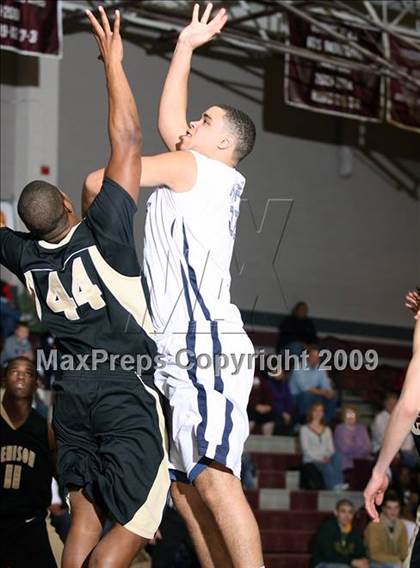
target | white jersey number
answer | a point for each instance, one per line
(58, 300)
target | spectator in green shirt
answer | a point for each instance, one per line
(338, 544)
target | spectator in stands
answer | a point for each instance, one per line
(405, 486)
(260, 407)
(387, 541)
(351, 438)
(296, 330)
(338, 543)
(17, 345)
(317, 445)
(408, 454)
(282, 402)
(9, 317)
(310, 384)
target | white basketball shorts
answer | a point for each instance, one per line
(206, 376)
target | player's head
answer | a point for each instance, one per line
(344, 511)
(222, 133)
(20, 379)
(46, 211)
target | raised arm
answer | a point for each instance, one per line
(172, 120)
(401, 421)
(176, 170)
(124, 166)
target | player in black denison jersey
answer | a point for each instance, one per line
(87, 286)
(26, 466)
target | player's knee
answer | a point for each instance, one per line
(216, 486)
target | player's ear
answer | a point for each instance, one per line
(226, 142)
(67, 204)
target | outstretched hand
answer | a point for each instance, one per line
(199, 32)
(412, 302)
(374, 495)
(109, 41)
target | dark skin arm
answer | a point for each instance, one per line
(124, 166)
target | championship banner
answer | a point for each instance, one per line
(403, 105)
(31, 27)
(327, 87)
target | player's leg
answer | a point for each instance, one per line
(222, 492)
(205, 534)
(116, 549)
(85, 530)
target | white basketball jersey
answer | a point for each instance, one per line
(188, 248)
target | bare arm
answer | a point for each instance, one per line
(124, 166)
(400, 423)
(176, 170)
(172, 121)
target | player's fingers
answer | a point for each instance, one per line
(96, 27)
(105, 21)
(379, 497)
(221, 14)
(196, 11)
(117, 22)
(222, 23)
(205, 17)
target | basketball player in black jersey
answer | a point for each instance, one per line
(26, 467)
(405, 418)
(87, 286)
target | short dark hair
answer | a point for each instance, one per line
(391, 497)
(342, 503)
(41, 208)
(244, 128)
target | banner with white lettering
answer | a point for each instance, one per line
(403, 105)
(31, 27)
(328, 87)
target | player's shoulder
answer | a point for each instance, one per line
(6, 232)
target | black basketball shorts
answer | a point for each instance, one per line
(111, 440)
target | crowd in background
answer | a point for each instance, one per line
(302, 402)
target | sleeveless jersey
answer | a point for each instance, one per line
(189, 239)
(88, 288)
(25, 468)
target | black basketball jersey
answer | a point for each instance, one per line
(88, 288)
(25, 468)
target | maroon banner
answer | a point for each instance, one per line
(31, 27)
(403, 105)
(326, 86)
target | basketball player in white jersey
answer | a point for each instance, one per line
(405, 418)
(189, 238)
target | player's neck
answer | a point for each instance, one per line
(18, 410)
(55, 238)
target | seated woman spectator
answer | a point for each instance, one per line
(351, 438)
(338, 543)
(317, 445)
(296, 329)
(282, 402)
(260, 407)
